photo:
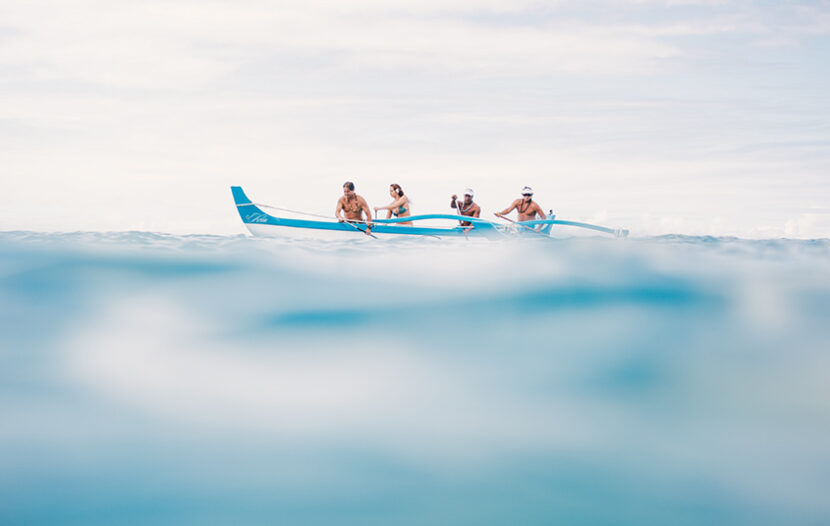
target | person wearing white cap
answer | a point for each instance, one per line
(526, 207)
(467, 208)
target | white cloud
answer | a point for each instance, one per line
(151, 101)
(180, 45)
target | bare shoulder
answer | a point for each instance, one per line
(361, 201)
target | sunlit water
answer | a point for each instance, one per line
(162, 379)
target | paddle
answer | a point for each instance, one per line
(524, 226)
(359, 229)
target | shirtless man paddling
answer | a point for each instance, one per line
(526, 207)
(353, 207)
(467, 208)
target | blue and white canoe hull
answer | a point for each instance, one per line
(329, 234)
(260, 223)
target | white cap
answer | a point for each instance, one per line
(468, 191)
(527, 190)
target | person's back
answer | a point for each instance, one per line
(399, 207)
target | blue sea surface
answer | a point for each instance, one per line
(151, 378)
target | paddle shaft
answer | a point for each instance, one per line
(360, 229)
(525, 226)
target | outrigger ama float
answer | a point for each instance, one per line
(260, 223)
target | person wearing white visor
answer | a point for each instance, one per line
(525, 206)
(467, 208)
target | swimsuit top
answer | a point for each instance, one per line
(401, 209)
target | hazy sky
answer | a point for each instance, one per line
(695, 117)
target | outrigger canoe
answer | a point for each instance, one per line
(260, 223)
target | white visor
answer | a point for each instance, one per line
(527, 190)
(468, 191)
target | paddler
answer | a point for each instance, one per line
(526, 207)
(399, 207)
(467, 208)
(353, 207)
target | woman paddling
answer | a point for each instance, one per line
(399, 207)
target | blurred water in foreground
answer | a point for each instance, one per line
(198, 379)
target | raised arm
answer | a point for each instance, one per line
(506, 211)
(452, 201)
(393, 205)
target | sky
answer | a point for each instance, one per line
(696, 117)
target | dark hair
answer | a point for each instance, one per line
(397, 189)
(349, 185)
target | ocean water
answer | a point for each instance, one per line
(150, 378)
